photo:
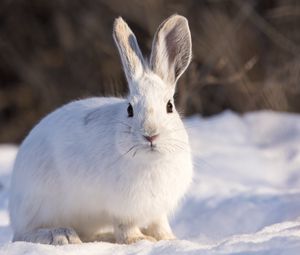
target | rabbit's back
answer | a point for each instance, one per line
(56, 162)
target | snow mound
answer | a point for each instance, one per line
(245, 197)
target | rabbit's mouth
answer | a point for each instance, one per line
(153, 147)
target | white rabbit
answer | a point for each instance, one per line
(115, 163)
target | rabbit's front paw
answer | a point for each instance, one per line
(129, 233)
(159, 235)
(160, 229)
(134, 239)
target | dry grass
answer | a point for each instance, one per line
(246, 55)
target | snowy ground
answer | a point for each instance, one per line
(245, 198)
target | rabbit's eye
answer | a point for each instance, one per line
(130, 110)
(169, 107)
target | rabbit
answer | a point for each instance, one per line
(117, 164)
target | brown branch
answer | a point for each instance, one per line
(278, 38)
(210, 79)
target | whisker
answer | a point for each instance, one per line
(135, 153)
(124, 154)
(194, 159)
(177, 140)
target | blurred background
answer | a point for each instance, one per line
(246, 55)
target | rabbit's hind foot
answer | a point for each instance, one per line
(54, 236)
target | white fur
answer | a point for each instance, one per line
(87, 166)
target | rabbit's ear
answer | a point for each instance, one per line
(171, 49)
(132, 59)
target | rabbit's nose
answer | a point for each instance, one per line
(150, 138)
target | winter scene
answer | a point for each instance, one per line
(153, 127)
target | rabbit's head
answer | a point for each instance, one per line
(150, 113)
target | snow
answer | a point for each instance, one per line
(245, 198)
